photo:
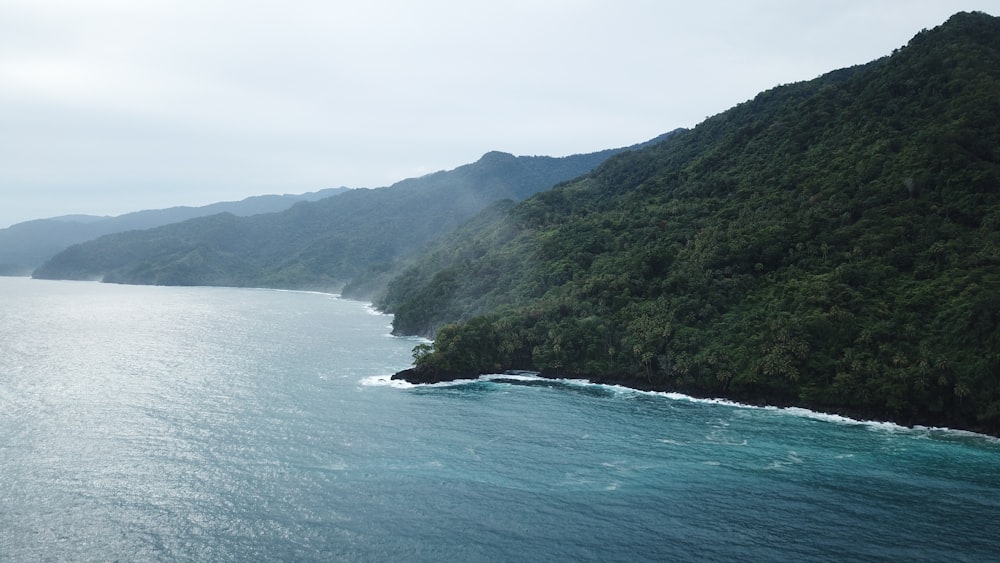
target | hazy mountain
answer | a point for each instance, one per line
(832, 244)
(321, 244)
(25, 246)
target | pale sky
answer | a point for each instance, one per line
(111, 106)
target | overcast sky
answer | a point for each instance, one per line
(111, 106)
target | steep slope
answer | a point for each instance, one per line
(833, 244)
(25, 246)
(315, 245)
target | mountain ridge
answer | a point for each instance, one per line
(25, 246)
(833, 244)
(318, 245)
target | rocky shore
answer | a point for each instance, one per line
(427, 375)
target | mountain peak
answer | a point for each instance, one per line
(496, 157)
(972, 25)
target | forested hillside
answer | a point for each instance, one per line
(25, 246)
(320, 244)
(832, 244)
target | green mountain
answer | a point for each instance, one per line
(319, 245)
(25, 246)
(833, 244)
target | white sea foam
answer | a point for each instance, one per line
(376, 380)
(938, 432)
(839, 419)
(806, 413)
(953, 434)
(874, 425)
(305, 291)
(717, 442)
(408, 338)
(452, 383)
(519, 376)
(789, 460)
(385, 381)
(793, 411)
(372, 310)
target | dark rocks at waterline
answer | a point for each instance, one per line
(425, 374)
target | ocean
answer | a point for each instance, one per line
(218, 424)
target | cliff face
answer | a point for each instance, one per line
(832, 243)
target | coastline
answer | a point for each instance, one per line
(420, 375)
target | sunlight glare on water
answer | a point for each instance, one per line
(153, 423)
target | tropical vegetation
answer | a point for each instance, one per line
(832, 243)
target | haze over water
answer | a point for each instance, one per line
(153, 423)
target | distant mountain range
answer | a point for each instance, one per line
(25, 246)
(322, 244)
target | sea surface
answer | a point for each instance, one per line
(213, 424)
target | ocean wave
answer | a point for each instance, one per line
(372, 310)
(417, 339)
(304, 291)
(934, 432)
(875, 425)
(952, 434)
(516, 376)
(385, 381)
(831, 418)
(838, 419)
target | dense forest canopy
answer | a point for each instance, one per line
(832, 243)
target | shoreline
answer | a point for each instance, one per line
(424, 376)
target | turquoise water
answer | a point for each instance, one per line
(151, 423)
